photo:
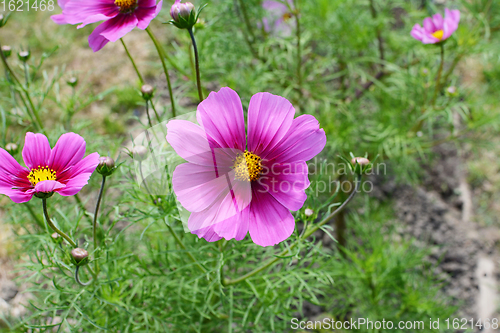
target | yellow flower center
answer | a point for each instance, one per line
(287, 16)
(438, 34)
(247, 166)
(40, 174)
(126, 5)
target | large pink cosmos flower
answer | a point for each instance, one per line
(437, 28)
(234, 183)
(62, 169)
(119, 16)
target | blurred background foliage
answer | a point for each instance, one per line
(358, 71)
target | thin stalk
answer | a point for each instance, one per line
(308, 233)
(82, 206)
(181, 244)
(299, 49)
(379, 34)
(132, 61)
(77, 278)
(162, 55)
(147, 113)
(438, 78)
(26, 74)
(94, 224)
(33, 215)
(197, 61)
(53, 227)
(36, 120)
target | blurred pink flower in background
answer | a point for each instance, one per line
(235, 183)
(119, 16)
(277, 19)
(62, 169)
(437, 28)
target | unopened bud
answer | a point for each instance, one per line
(147, 92)
(106, 166)
(72, 82)
(11, 148)
(6, 50)
(24, 56)
(424, 71)
(140, 153)
(360, 160)
(4, 19)
(308, 212)
(79, 255)
(56, 238)
(451, 91)
(183, 14)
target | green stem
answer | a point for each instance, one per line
(438, 78)
(77, 278)
(36, 120)
(53, 227)
(132, 61)
(162, 55)
(94, 224)
(308, 233)
(26, 74)
(197, 61)
(181, 244)
(33, 215)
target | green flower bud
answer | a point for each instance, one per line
(12, 148)
(24, 56)
(6, 50)
(56, 238)
(184, 15)
(360, 160)
(4, 19)
(72, 82)
(106, 166)
(140, 153)
(147, 92)
(80, 256)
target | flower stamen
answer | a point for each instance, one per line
(126, 5)
(438, 34)
(40, 174)
(247, 167)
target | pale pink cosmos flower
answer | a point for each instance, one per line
(437, 28)
(61, 169)
(119, 16)
(278, 18)
(235, 183)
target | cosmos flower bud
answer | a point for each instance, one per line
(80, 255)
(308, 212)
(72, 82)
(147, 92)
(24, 56)
(6, 50)
(56, 238)
(4, 19)
(140, 153)
(106, 166)
(360, 160)
(451, 91)
(12, 148)
(184, 15)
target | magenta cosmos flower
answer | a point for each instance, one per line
(235, 183)
(119, 16)
(437, 28)
(62, 169)
(277, 18)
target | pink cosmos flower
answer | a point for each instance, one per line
(437, 28)
(61, 169)
(235, 183)
(119, 16)
(278, 16)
